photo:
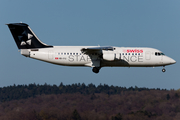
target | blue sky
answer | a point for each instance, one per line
(127, 23)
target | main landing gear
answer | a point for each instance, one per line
(96, 69)
(163, 70)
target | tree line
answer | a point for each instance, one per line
(17, 92)
(87, 102)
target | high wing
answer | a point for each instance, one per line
(95, 49)
(96, 63)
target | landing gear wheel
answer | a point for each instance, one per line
(163, 70)
(95, 70)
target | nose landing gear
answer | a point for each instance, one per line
(163, 70)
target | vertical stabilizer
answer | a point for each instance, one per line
(25, 37)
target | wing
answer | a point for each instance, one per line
(95, 49)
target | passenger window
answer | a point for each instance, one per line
(126, 53)
(135, 53)
(139, 54)
(76, 53)
(61, 53)
(70, 53)
(123, 54)
(132, 53)
(129, 54)
(73, 53)
(64, 53)
(67, 53)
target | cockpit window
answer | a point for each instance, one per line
(159, 53)
(162, 54)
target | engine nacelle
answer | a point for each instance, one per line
(109, 55)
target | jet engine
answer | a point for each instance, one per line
(109, 55)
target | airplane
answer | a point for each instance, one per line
(89, 56)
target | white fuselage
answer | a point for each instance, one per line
(120, 56)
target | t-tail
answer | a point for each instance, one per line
(25, 37)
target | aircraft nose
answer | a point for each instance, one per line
(168, 61)
(173, 61)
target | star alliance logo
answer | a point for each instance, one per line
(25, 38)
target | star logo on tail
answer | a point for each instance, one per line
(25, 38)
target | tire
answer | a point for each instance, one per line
(163, 70)
(95, 70)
